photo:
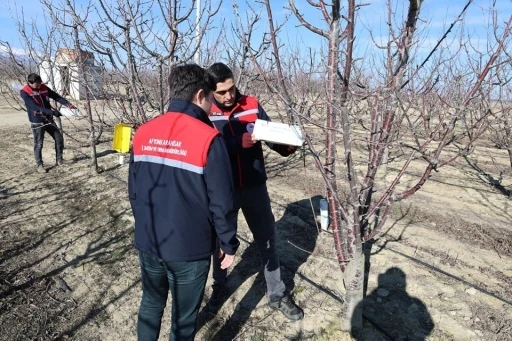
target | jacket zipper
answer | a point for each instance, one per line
(239, 162)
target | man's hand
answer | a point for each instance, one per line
(71, 106)
(227, 260)
(286, 150)
(247, 140)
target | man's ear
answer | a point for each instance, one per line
(199, 97)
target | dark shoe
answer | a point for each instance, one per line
(287, 307)
(41, 169)
(216, 299)
(63, 162)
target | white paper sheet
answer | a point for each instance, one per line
(280, 133)
(68, 112)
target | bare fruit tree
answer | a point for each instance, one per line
(417, 111)
(59, 17)
(500, 120)
(136, 44)
(140, 42)
(36, 45)
(40, 53)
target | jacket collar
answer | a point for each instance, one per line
(30, 90)
(190, 109)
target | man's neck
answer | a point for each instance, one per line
(224, 107)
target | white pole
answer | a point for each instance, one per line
(198, 31)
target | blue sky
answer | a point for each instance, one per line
(436, 15)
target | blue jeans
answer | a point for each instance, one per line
(255, 205)
(186, 281)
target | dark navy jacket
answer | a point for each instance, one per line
(247, 164)
(37, 102)
(180, 195)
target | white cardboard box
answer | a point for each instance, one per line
(279, 133)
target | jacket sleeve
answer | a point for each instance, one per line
(220, 189)
(234, 144)
(55, 96)
(32, 106)
(262, 114)
(131, 181)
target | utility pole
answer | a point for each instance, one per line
(197, 54)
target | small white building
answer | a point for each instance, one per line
(62, 74)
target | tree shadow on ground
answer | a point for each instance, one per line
(98, 250)
(390, 308)
(487, 178)
(60, 232)
(39, 227)
(99, 155)
(53, 308)
(296, 239)
(105, 153)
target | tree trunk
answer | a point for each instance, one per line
(509, 150)
(92, 143)
(352, 312)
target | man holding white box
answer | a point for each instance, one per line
(234, 115)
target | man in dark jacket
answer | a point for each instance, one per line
(182, 202)
(40, 114)
(234, 115)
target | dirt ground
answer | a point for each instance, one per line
(442, 270)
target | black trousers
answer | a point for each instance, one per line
(255, 205)
(39, 129)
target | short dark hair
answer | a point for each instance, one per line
(186, 80)
(220, 72)
(34, 78)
